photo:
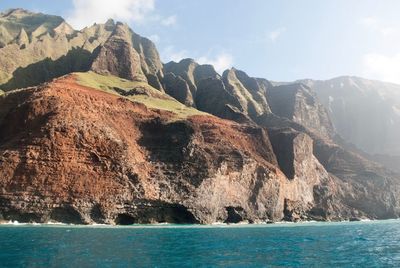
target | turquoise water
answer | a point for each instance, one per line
(361, 244)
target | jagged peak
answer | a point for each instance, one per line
(22, 38)
(110, 21)
(122, 31)
(188, 61)
(64, 28)
(185, 61)
(39, 31)
(236, 72)
(230, 73)
(109, 25)
(295, 86)
(15, 12)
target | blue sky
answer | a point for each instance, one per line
(280, 40)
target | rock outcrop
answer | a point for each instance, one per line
(235, 92)
(178, 88)
(248, 91)
(298, 103)
(118, 57)
(191, 72)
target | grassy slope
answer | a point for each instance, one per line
(152, 98)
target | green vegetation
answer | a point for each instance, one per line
(108, 83)
(170, 105)
(149, 96)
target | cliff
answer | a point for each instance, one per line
(101, 131)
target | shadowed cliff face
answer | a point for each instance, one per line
(234, 96)
(178, 88)
(191, 72)
(298, 103)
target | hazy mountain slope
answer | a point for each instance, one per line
(364, 112)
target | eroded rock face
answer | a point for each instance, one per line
(298, 103)
(118, 57)
(191, 72)
(74, 154)
(178, 88)
(213, 97)
(294, 151)
(354, 188)
(234, 96)
(248, 91)
(40, 47)
(365, 114)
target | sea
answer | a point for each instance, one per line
(344, 244)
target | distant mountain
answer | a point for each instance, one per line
(364, 113)
(94, 128)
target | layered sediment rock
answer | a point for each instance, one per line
(74, 154)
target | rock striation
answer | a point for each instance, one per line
(75, 154)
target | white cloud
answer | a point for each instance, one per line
(388, 31)
(87, 12)
(371, 22)
(221, 62)
(382, 67)
(376, 25)
(275, 34)
(170, 54)
(169, 21)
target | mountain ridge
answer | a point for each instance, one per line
(173, 142)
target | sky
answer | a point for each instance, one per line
(281, 40)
